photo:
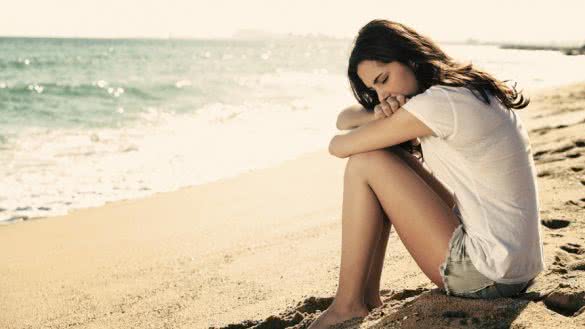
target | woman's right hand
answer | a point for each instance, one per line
(388, 106)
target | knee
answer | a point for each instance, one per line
(365, 161)
(361, 159)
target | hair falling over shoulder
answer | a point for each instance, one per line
(386, 41)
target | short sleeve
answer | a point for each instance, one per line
(435, 109)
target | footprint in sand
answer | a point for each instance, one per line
(555, 224)
(538, 154)
(553, 155)
(563, 149)
(545, 157)
(293, 317)
(573, 248)
(579, 203)
(314, 304)
(576, 144)
(559, 265)
(544, 130)
(566, 299)
(567, 302)
(577, 169)
(558, 157)
(578, 265)
(569, 259)
(407, 293)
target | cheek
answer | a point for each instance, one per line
(412, 82)
(404, 83)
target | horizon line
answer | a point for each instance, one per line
(267, 36)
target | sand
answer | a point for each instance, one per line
(262, 250)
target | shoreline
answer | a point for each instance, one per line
(19, 219)
(22, 218)
(263, 248)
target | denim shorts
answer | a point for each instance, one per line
(462, 279)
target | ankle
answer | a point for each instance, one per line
(349, 307)
(372, 294)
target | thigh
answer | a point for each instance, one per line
(431, 180)
(422, 220)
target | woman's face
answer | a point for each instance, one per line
(388, 79)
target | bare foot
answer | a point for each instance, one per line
(372, 304)
(333, 316)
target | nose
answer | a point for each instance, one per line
(381, 95)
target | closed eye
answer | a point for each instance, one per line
(381, 82)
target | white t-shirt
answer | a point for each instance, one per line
(482, 154)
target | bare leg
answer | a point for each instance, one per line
(423, 221)
(372, 294)
(362, 224)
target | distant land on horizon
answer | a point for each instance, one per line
(253, 34)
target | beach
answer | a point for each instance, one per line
(262, 250)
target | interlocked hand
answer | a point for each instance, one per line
(388, 106)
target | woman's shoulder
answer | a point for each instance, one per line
(445, 94)
(449, 89)
(457, 94)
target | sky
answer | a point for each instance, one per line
(520, 21)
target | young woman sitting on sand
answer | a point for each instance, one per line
(471, 223)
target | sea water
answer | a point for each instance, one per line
(87, 121)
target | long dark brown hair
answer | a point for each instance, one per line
(386, 41)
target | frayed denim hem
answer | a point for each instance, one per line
(443, 267)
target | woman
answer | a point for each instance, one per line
(471, 222)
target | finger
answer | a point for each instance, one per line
(386, 109)
(377, 109)
(401, 99)
(393, 103)
(378, 112)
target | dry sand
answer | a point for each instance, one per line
(262, 250)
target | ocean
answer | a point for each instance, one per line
(89, 121)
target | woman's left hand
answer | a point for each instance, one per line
(388, 106)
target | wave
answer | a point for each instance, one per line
(36, 62)
(98, 89)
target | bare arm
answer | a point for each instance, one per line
(400, 127)
(356, 116)
(353, 117)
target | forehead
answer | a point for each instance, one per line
(368, 70)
